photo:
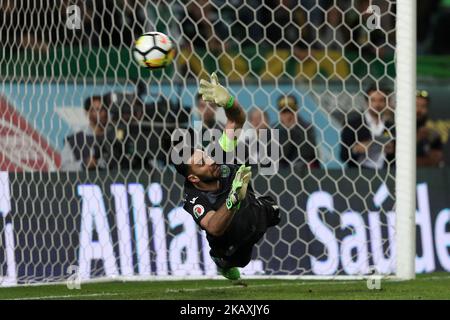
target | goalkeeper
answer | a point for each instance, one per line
(220, 197)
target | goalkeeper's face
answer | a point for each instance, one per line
(203, 168)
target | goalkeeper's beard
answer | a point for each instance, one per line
(210, 179)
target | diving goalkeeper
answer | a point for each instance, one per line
(219, 196)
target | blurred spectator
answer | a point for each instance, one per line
(112, 23)
(24, 24)
(367, 140)
(33, 24)
(440, 43)
(81, 150)
(389, 112)
(66, 17)
(163, 16)
(138, 135)
(207, 114)
(242, 16)
(425, 10)
(253, 135)
(202, 27)
(209, 23)
(258, 119)
(429, 142)
(133, 19)
(296, 136)
(161, 118)
(126, 137)
(316, 9)
(285, 25)
(376, 40)
(333, 35)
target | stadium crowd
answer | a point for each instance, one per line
(124, 132)
(219, 24)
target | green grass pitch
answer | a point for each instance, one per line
(430, 286)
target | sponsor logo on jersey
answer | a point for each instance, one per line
(193, 200)
(225, 171)
(199, 210)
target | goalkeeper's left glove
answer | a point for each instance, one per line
(213, 92)
(239, 187)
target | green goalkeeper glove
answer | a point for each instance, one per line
(213, 92)
(239, 187)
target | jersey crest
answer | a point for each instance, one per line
(225, 171)
(199, 210)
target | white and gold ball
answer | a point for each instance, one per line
(154, 50)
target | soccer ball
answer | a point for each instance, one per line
(154, 50)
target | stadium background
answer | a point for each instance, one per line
(48, 74)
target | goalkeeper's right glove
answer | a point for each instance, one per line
(239, 187)
(213, 92)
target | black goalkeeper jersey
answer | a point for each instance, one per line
(249, 222)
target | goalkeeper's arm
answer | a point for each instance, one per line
(213, 92)
(217, 222)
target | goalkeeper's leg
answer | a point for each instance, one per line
(271, 209)
(228, 265)
(225, 269)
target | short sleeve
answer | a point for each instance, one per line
(197, 206)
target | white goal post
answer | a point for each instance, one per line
(405, 117)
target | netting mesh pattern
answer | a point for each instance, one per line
(86, 133)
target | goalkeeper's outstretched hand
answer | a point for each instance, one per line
(239, 187)
(214, 92)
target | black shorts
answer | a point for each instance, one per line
(271, 210)
(242, 255)
(240, 258)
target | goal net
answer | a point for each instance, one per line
(86, 187)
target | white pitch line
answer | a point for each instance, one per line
(173, 290)
(287, 284)
(87, 295)
(201, 289)
(432, 278)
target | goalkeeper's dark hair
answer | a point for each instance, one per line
(183, 167)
